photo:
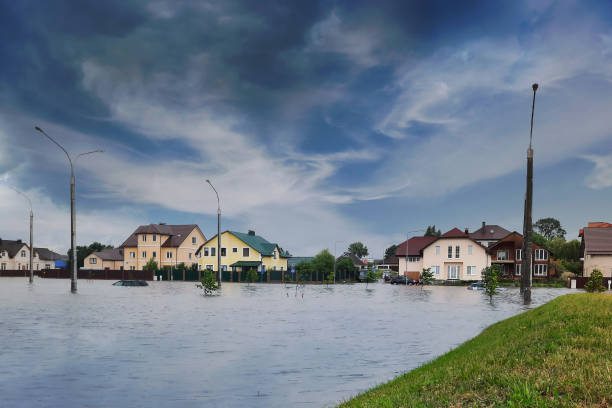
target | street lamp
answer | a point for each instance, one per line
(73, 277)
(218, 231)
(31, 232)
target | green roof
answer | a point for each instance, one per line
(256, 242)
(245, 263)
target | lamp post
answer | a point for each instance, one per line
(218, 231)
(527, 221)
(31, 233)
(73, 275)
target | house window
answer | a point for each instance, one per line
(168, 255)
(144, 254)
(505, 269)
(154, 238)
(413, 259)
(223, 251)
(144, 238)
(274, 254)
(205, 251)
(224, 268)
(209, 267)
(93, 260)
(132, 254)
(235, 250)
(274, 268)
(281, 268)
(470, 249)
(132, 268)
(154, 254)
(194, 240)
(47, 266)
(541, 254)
(190, 255)
(517, 269)
(246, 252)
(471, 270)
(457, 251)
(23, 254)
(540, 270)
(435, 270)
(3, 266)
(213, 251)
(450, 251)
(518, 254)
(502, 255)
(437, 249)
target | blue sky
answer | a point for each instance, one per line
(317, 121)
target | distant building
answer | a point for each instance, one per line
(49, 259)
(15, 255)
(596, 248)
(508, 254)
(488, 234)
(110, 258)
(410, 256)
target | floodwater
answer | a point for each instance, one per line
(266, 345)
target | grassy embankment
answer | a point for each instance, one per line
(557, 355)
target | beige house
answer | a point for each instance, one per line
(597, 249)
(168, 245)
(15, 255)
(410, 256)
(106, 259)
(48, 259)
(455, 256)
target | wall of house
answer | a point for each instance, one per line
(479, 257)
(101, 264)
(601, 262)
(145, 249)
(278, 263)
(411, 267)
(22, 261)
(186, 252)
(228, 241)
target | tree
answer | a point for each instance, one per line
(595, 283)
(431, 231)
(389, 252)
(345, 267)
(427, 277)
(490, 277)
(151, 265)
(209, 283)
(323, 263)
(549, 228)
(538, 239)
(303, 271)
(358, 249)
(251, 276)
(84, 251)
(370, 277)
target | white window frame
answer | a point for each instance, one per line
(194, 240)
(274, 254)
(518, 255)
(190, 255)
(210, 266)
(506, 256)
(470, 249)
(168, 255)
(144, 254)
(144, 238)
(206, 251)
(93, 260)
(234, 250)
(450, 252)
(213, 251)
(471, 271)
(154, 238)
(47, 266)
(517, 269)
(437, 249)
(414, 259)
(541, 255)
(132, 268)
(3, 266)
(435, 269)
(540, 270)
(132, 254)
(457, 251)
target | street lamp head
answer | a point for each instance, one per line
(208, 181)
(534, 87)
(37, 128)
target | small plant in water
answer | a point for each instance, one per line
(371, 276)
(426, 277)
(490, 277)
(209, 285)
(251, 276)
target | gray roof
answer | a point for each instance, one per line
(597, 240)
(110, 254)
(489, 232)
(11, 247)
(177, 233)
(45, 254)
(356, 260)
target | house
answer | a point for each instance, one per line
(110, 258)
(596, 249)
(488, 234)
(15, 255)
(241, 252)
(392, 262)
(168, 245)
(49, 259)
(455, 256)
(410, 255)
(357, 262)
(507, 253)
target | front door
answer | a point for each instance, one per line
(453, 271)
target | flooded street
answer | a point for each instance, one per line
(260, 346)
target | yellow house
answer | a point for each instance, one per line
(105, 259)
(168, 245)
(240, 252)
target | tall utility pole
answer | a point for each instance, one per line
(527, 220)
(31, 233)
(218, 232)
(73, 275)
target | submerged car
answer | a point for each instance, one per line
(477, 286)
(131, 283)
(403, 280)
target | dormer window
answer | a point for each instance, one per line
(23, 254)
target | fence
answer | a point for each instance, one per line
(582, 280)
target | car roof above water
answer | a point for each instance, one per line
(131, 283)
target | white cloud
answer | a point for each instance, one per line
(601, 177)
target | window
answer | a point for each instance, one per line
(205, 251)
(505, 269)
(3, 266)
(518, 254)
(190, 255)
(23, 254)
(93, 260)
(540, 269)
(246, 252)
(517, 269)
(281, 268)
(224, 268)
(168, 255)
(471, 270)
(213, 251)
(450, 251)
(223, 251)
(194, 240)
(437, 249)
(470, 249)
(274, 268)
(435, 270)
(154, 238)
(274, 254)
(47, 266)
(144, 238)
(209, 267)
(457, 251)
(144, 254)
(541, 254)
(132, 268)
(154, 254)
(132, 254)
(502, 255)
(235, 250)
(413, 259)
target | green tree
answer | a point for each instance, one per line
(323, 263)
(209, 283)
(345, 267)
(490, 277)
(251, 276)
(358, 249)
(151, 265)
(427, 277)
(303, 271)
(371, 276)
(431, 231)
(389, 252)
(549, 228)
(595, 283)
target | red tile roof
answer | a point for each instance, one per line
(415, 245)
(455, 233)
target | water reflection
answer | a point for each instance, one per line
(254, 346)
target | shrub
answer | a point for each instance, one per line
(595, 283)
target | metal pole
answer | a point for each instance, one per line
(526, 272)
(31, 246)
(218, 232)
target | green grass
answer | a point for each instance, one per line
(557, 355)
(549, 284)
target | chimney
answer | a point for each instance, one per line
(251, 232)
(483, 224)
(467, 231)
(162, 223)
